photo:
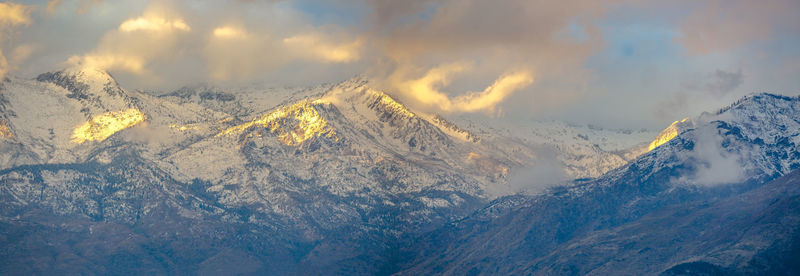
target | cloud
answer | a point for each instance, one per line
(498, 39)
(229, 32)
(83, 5)
(713, 165)
(233, 53)
(11, 16)
(137, 42)
(674, 106)
(153, 24)
(722, 82)
(244, 40)
(494, 94)
(722, 25)
(389, 11)
(568, 44)
(51, 6)
(712, 86)
(455, 26)
(717, 83)
(203, 43)
(545, 172)
(425, 90)
(316, 46)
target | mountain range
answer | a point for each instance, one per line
(345, 179)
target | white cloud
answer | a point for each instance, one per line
(714, 165)
(544, 172)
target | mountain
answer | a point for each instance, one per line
(344, 179)
(705, 201)
(98, 179)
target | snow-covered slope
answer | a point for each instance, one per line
(721, 155)
(43, 115)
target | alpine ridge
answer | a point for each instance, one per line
(615, 223)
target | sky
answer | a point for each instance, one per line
(612, 63)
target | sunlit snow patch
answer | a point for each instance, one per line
(669, 133)
(5, 131)
(104, 125)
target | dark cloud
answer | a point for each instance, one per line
(674, 106)
(717, 83)
(722, 82)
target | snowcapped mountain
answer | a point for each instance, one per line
(327, 177)
(610, 224)
(341, 178)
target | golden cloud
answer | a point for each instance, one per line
(490, 97)
(153, 23)
(316, 46)
(15, 14)
(137, 42)
(229, 32)
(425, 90)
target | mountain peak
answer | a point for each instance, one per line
(756, 99)
(80, 79)
(293, 124)
(92, 87)
(743, 109)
